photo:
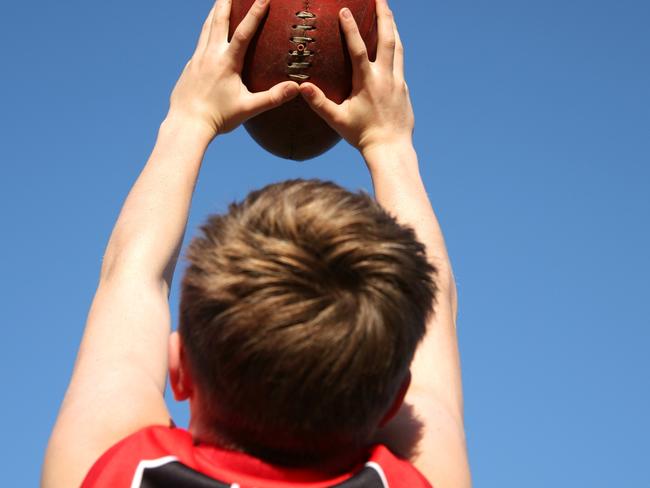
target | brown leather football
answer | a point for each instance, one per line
(301, 40)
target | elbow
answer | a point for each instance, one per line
(447, 290)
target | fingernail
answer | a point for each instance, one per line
(262, 2)
(346, 13)
(307, 90)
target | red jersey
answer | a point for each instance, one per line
(165, 457)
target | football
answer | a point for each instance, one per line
(301, 40)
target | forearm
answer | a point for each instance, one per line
(399, 189)
(149, 231)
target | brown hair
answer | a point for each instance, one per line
(301, 309)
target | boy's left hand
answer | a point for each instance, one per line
(210, 92)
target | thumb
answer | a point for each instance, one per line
(319, 103)
(274, 97)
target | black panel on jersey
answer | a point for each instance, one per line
(368, 478)
(177, 475)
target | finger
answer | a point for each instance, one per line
(205, 31)
(385, 35)
(398, 68)
(356, 46)
(319, 103)
(276, 96)
(245, 31)
(221, 21)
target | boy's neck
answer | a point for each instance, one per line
(332, 465)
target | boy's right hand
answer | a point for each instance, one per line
(378, 111)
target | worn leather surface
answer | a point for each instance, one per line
(294, 131)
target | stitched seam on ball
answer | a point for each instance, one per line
(300, 55)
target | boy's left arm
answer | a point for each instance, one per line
(118, 382)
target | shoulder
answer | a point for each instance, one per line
(147, 448)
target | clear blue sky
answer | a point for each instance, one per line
(533, 128)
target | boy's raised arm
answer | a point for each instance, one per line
(378, 120)
(119, 377)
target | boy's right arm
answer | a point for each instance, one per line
(378, 120)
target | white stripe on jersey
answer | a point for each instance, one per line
(150, 463)
(380, 472)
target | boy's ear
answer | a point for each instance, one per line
(179, 375)
(399, 399)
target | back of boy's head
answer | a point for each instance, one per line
(300, 312)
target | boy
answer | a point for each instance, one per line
(300, 313)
